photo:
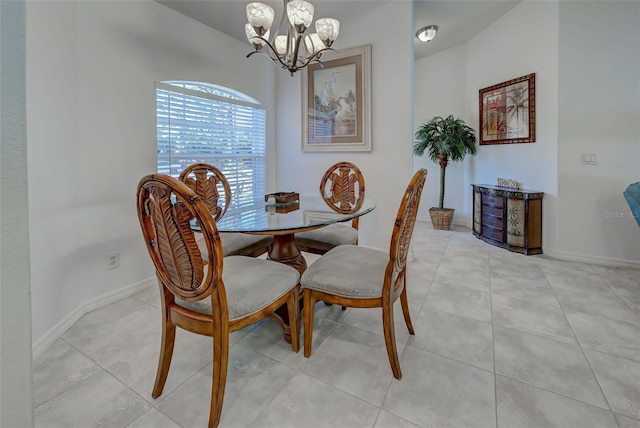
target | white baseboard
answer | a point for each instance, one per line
(462, 222)
(41, 345)
(466, 223)
(593, 260)
(561, 255)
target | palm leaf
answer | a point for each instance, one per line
(172, 247)
(444, 139)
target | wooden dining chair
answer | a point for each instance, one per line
(212, 186)
(211, 295)
(362, 277)
(342, 189)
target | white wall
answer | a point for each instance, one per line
(91, 68)
(523, 41)
(588, 101)
(449, 81)
(599, 112)
(15, 309)
(387, 169)
(440, 91)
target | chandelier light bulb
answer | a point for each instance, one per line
(252, 36)
(328, 29)
(260, 16)
(281, 45)
(300, 14)
(313, 43)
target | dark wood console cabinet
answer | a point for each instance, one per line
(508, 218)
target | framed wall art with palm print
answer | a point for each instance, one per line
(508, 112)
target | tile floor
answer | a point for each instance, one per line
(501, 340)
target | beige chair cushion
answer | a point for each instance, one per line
(234, 243)
(251, 285)
(348, 271)
(325, 238)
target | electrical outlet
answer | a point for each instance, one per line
(113, 260)
(589, 158)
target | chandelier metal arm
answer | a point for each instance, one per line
(275, 60)
(296, 50)
(292, 69)
(274, 56)
(316, 56)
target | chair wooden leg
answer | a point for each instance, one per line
(390, 339)
(219, 376)
(309, 310)
(293, 306)
(405, 308)
(166, 352)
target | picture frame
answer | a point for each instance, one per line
(508, 112)
(336, 102)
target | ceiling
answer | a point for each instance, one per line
(457, 20)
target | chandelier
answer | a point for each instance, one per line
(294, 48)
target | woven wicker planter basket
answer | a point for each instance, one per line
(441, 218)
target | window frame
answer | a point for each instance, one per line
(238, 112)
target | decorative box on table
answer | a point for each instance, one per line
(283, 197)
(282, 208)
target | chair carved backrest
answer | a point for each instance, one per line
(166, 208)
(342, 187)
(403, 227)
(210, 184)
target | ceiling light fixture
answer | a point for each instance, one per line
(285, 49)
(427, 33)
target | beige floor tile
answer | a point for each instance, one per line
(98, 401)
(354, 361)
(458, 338)
(307, 402)
(461, 301)
(439, 392)
(153, 418)
(387, 420)
(483, 300)
(619, 379)
(59, 369)
(191, 354)
(547, 364)
(528, 317)
(606, 335)
(524, 406)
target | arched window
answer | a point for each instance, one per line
(200, 122)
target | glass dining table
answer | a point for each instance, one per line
(283, 221)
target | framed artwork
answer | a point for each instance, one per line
(508, 112)
(336, 102)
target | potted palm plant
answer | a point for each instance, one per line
(445, 140)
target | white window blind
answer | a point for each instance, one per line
(198, 122)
